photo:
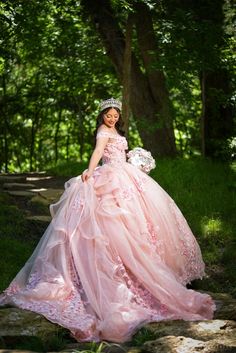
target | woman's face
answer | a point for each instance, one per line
(111, 117)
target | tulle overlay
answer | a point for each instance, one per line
(116, 255)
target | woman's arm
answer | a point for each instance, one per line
(95, 158)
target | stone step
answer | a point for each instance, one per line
(40, 218)
(18, 322)
(38, 177)
(17, 186)
(15, 351)
(51, 195)
(208, 336)
(12, 178)
(21, 193)
(37, 199)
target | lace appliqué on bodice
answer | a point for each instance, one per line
(114, 152)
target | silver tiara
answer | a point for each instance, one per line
(111, 103)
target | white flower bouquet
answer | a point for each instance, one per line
(142, 159)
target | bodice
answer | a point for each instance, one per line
(114, 152)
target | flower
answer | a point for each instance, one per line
(142, 159)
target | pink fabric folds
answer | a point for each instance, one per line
(116, 255)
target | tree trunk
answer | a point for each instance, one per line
(5, 126)
(156, 78)
(34, 129)
(148, 94)
(67, 147)
(126, 74)
(32, 140)
(217, 111)
(217, 115)
(57, 134)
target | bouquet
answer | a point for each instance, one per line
(142, 159)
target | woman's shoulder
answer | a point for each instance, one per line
(104, 131)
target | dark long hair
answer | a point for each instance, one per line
(119, 124)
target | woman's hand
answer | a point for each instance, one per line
(86, 175)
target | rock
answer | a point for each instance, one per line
(226, 309)
(40, 218)
(17, 186)
(18, 322)
(12, 178)
(183, 344)
(220, 296)
(22, 193)
(221, 330)
(177, 336)
(51, 195)
(15, 351)
(225, 306)
(38, 177)
(102, 347)
(40, 200)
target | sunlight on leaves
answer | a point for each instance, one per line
(211, 226)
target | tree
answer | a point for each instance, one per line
(52, 75)
(202, 41)
(149, 97)
(55, 67)
(217, 109)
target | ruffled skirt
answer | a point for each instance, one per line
(117, 254)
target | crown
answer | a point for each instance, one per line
(110, 103)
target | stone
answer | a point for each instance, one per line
(39, 218)
(21, 193)
(15, 351)
(40, 200)
(221, 330)
(18, 322)
(175, 336)
(225, 306)
(12, 178)
(38, 177)
(51, 195)
(17, 186)
(183, 344)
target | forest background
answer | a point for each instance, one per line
(173, 63)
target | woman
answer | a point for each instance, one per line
(118, 252)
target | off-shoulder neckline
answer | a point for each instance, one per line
(108, 133)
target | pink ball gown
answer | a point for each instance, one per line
(116, 255)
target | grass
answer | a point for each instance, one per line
(67, 169)
(55, 342)
(12, 221)
(15, 252)
(143, 335)
(205, 191)
(93, 347)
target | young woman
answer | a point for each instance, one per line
(117, 253)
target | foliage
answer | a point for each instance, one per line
(46, 343)
(94, 347)
(196, 38)
(54, 71)
(8, 212)
(49, 83)
(205, 191)
(142, 336)
(16, 252)
(67, 169)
